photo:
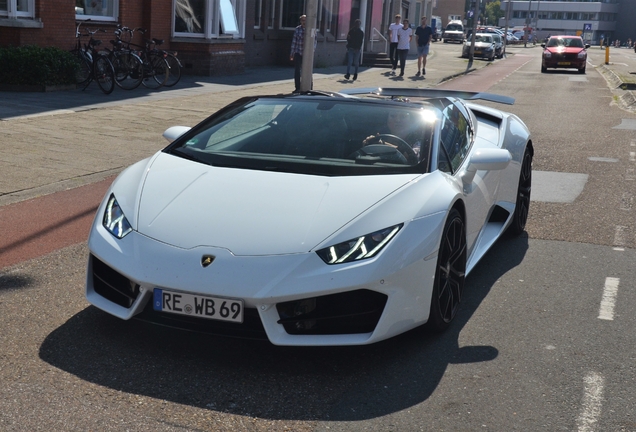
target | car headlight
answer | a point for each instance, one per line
(582, 55)
(547, 54)
(359, 248)
(114, 220)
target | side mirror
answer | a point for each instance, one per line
(587, 46)
(486, 159)
(543, 45)
(174, 132)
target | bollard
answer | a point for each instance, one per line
(607, 54)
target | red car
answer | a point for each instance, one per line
(564, 52)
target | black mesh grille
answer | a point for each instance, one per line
(112, 285)
(345, 313)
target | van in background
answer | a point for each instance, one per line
(454, 32)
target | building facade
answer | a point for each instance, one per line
(212, 37)
(594, 20)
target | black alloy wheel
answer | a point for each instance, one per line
(522, 208)
(450, 273)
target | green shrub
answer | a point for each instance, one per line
(33, 65)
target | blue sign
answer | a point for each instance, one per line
(587, 27)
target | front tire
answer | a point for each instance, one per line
(522, 208)
(450, 273)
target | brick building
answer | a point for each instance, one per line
(212, 37)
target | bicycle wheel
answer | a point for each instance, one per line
(104, 74)
(175, 70)
(129, 70)
(83, 74)
(156, 71)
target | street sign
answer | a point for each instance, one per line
(587, 27)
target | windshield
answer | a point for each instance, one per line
(565, 42)
(483, 38)
(323, 136)
(454, 27)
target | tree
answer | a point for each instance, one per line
(493, 13)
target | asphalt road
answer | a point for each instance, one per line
(544, 340)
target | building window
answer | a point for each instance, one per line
(17, 8)
(258, 13)
(272, 14)
(209, 18)
(290, 13)
(102, 10)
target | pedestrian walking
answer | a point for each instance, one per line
(393, 37)
(354, 47)
(296, 55)
(424, 34)
(405, 34)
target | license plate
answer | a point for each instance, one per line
(477, 52)
(181, 303)
(564, 63)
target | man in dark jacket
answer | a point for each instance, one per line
(354, 46)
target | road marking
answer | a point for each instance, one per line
(592, 403)
(606, 311)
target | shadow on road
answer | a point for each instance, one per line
(258, 379)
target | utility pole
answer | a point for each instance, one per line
(525, 30)
(309, 42)
(506, 30)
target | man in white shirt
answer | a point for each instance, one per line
(393, 38)
(405, 34)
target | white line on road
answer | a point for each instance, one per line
(592, 403)
(606, 311)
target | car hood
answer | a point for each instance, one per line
(564, 50)
(251, 212)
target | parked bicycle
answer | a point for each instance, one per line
(94, 66)
(171, 58)
(129, 68)
(156, 68)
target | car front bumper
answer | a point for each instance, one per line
(269, 285)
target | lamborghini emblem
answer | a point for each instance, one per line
(206, 260)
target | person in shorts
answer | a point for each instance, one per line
(424, 34)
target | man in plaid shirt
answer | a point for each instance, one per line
(296, 54)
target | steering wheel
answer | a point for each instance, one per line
(402, 146)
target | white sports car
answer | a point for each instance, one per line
(313, 219)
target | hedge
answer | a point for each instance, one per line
(33, 65)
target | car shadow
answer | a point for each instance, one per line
(257, 379)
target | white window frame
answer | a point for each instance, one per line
(213, 20)
(13, 13)
(272, 14)
(102, 18)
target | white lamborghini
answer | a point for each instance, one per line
(313, 219)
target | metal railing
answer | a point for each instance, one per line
(377, 32)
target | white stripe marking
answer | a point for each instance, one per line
(606, 311)
(592, 402)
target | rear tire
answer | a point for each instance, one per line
(450, 273)
(522, 207)
(156, 72)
